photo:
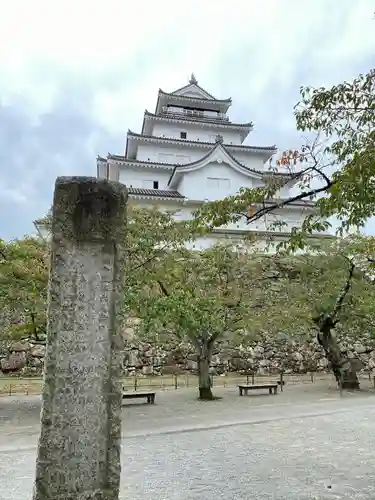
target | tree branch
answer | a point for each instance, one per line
(345, 290)
(274, 206)
(163, 288)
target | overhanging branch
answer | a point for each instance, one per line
(345, 291)
(163, 288)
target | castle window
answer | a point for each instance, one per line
(150, 184)
(217, 183)
(183, 135)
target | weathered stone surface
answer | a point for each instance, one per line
(79, 445)
(19, 347)
(359, 348)
(147, 370)
(38, 351)
(36, 362)
(14, 362)
(128, 333)
(280, 352)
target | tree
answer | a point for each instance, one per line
(222, 294)
(150, 234)
(353, 296)
(337, 172)
(23, 287)
(197, 296)
(24, 266)
(362, 250)
(326, 293)
(336, 169)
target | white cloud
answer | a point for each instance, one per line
(18, 195)
(108, 59)
(91, 39)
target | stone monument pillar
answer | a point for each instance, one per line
(79, 445)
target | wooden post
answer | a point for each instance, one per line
(176, 382)
(281, 381)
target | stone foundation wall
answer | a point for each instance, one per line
(260, 357)
(268, 355)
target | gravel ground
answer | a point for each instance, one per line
(305, 443)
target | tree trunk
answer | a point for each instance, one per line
(35, 330)
(204, 360)
(343, 368)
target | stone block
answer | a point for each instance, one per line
(79, 446)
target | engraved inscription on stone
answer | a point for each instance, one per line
(83, 359)
(79, 445)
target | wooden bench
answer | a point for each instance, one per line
(244, 389)
(137, 395)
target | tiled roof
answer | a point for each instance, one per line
(198, 86)
(123, 158)
(154, 192)
(212, 144)
(196, 99)
(192, 119)
(185, 166)
(182, 165)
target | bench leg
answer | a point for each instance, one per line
(240, 391)
(246, 392)
(275, 391)
(153, 399)
(148, 400)
(270, 390)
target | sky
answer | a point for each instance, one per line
(76, 75)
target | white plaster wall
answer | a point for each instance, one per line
(195, 184)
(256, 162)
(108, 171)
(250, 159)
(184, 212)
(237, 242)
(137, 177)
(292, 216)
(284, 192)
(163, 205)
(201, 133)
(169, 153)
(102, 170)
(258, 225)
